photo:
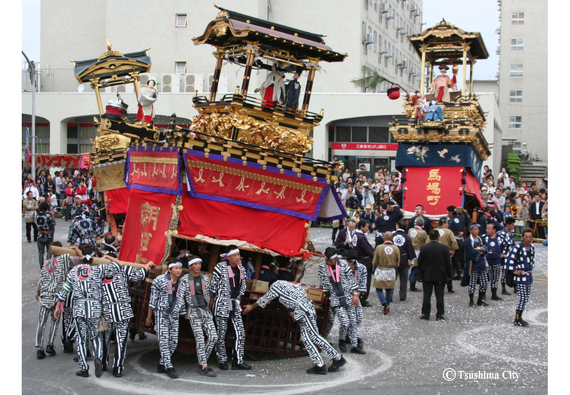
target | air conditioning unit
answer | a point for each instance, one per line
(193, 82)
(384, 8)
(126, 88)
(170, 83)
(145, 77)
(366, 40)
(222, 83)
(109, 89)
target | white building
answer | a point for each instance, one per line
(523, 88)
(355, 123)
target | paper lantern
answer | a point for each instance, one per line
(394, 93)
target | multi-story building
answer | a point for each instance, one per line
(356, 119)
(523, 88)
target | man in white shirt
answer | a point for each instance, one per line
(31, 187)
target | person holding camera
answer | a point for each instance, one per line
(475, 252)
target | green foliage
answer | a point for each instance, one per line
(371, 79)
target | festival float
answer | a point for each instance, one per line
(236, 175)
(441, 145)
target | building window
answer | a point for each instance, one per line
(515, 122)
(181, 20)
(516, 70)
(517, 18)
(343, 134)
(359, 134)
(517, 44)
(180, 67)
(515, 96)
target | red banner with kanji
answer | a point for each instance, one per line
(154, 169)
(263, 187)
(265, 229)
(147, 220)
(434, 188)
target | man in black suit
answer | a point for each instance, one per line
(364, 254)
(434, 265)
(535, 213)
(346, 237)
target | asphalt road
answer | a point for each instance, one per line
(475, 351)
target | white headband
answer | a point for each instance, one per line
(174, 264)
(335, 256)
(193, 261)
(232, 252)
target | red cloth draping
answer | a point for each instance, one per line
(118, 200)
(147, 220)
(472, 186)
(280, 233)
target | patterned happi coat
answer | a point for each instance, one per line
(53, 276)
(86, 283)
(347, 282)
(116, 297)
(220, 288)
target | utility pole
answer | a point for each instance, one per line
(32, 67)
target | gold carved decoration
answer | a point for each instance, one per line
(268, 134)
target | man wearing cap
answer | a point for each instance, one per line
(302, 310)
(367, 196)
(404, 243)
(368, 215)
(82, 230)
(476, 265)
(441, 84)
(118, 312)
(30, 207)
(420, 213)
(293, 91)
(167, 302)
(226, 289)
(268, 271)
(337, 280)
(197, 298)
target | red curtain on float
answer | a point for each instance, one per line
(435, 188)
(278, 232)
(147, 220)
(473, 186)
(118, 200)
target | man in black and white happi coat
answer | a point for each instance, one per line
(201, 319)
(167, 303)
(336, 279)
(226, 289)
(493, 243)
(52, 277)
(82, 230)
(85, 282)
(507, 242)
(118, 312)
(45, 225)
(360, 276)
(521, 261)
(302, 310)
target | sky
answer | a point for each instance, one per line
(483, 17)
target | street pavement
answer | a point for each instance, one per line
(475, 351)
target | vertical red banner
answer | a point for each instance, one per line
(435, 188)
(146, 223)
